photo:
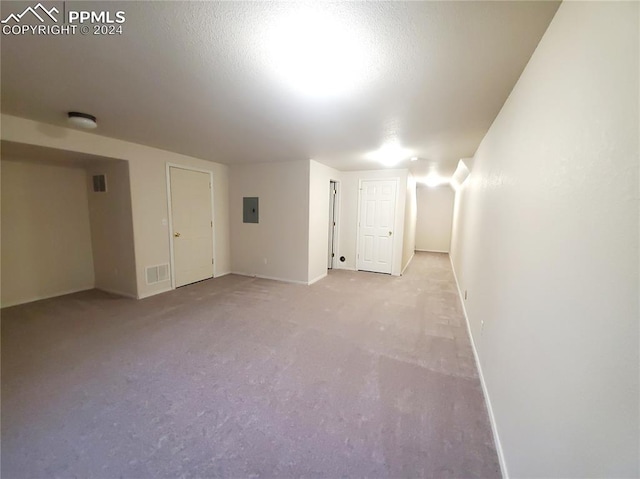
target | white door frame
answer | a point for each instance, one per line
(170, 218)
(393, 243)
(335, 264)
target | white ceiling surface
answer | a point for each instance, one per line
(200, 78)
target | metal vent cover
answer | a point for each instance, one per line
(99, 183)
(157, 274)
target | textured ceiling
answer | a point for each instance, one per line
(200, 78)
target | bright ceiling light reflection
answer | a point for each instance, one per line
(434, 180)
(317, 54)
(389, 154)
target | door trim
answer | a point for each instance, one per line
(170, 218)
(393, 243)
(336, 215)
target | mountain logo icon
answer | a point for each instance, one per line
(34, 10)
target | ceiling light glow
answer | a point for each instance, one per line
(317, 54)
(389, 154)
(434, 180)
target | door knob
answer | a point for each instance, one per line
(390, 233)
(177, 235)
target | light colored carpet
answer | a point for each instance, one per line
(358, 375)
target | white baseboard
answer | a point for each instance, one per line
(116, 292)
(346, 268)
(273, 278)
(432, 251)
(315, 280)
(165, 290)
(46, 296)
(147, 295)
(492, 419)
(408, 263)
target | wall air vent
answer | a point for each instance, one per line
(157, 274)
(99, 183)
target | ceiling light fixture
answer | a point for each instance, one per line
(82, 120)
(414, 158)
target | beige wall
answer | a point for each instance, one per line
(319, 178)
(291, 253)
(147, 168)
(435, 216)
(112, 229)
(410, 219)
(46, 240)
(278, 246)
(349, 199)
(546, 243)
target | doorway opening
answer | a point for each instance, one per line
(333, 224)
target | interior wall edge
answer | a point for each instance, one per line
(315, 280)
(154, 293)
(408, 263)
(485, 390)
(117, 292)
(9, 304)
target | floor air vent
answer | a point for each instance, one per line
(157, 274)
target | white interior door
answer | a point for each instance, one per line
(192, 225)
(375, 232)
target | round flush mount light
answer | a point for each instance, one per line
(82, 120)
